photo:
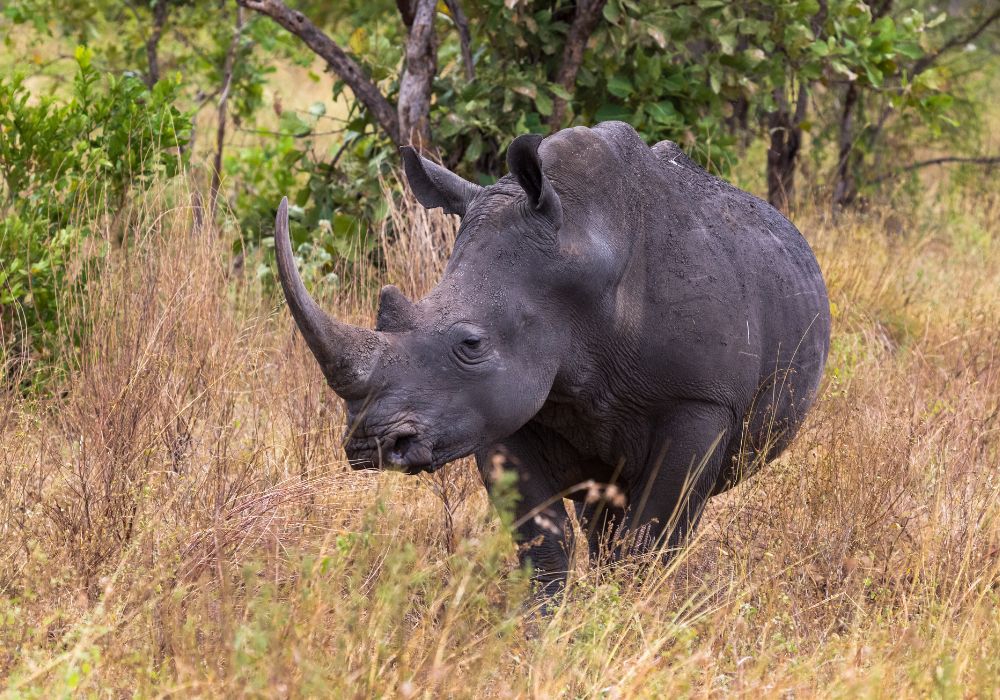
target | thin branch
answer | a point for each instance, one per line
(220, 133)
(585, 20)
(961, 40)
(336, 59)
(307, 135)
(190, 45)
(462, 25)
(977, 160)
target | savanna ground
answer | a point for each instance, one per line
(177, 517)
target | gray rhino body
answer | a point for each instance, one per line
(610, 313)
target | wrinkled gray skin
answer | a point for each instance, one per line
(610, 312)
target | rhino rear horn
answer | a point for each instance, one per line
(345, 353)
(436, 186)
(395, 311)
(525, 164)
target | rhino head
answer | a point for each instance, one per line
(473, 361)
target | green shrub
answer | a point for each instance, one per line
(64, 163)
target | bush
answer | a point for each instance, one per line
(66, 164)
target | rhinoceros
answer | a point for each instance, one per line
(610, 314)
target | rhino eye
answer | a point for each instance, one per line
(471, 350)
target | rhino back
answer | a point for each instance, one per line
(759, 304)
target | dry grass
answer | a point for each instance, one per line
(180, 520)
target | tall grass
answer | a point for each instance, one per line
(179, 519)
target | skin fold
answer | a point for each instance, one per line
(610, 313)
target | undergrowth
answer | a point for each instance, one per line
(177, 516)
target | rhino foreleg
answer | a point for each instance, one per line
(540, 518)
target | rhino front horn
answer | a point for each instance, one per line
(345, 353)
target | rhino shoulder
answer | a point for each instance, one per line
(673, 159)
(593, 156)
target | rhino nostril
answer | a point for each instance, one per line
(401, 445)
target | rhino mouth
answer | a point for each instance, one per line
(402, 450)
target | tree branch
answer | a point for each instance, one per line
(977, 160)
(415, 83)
(961, 40)
(462, 25)
(585, 20)
(336, 59)
(228, 69)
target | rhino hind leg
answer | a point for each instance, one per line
(772, 421)
(668, 498)
(602, 524)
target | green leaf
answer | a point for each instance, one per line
(291, 123)
(663, 113)
(716, 85)
(874, 75)
(820, 48)
(937, 20)
(611, 12)
(620, 86)
(657, 35)
(842, 68)
(474, 150)
(728, 43)
(544, 104)
(561, 92)
(525, 88)
(910, 49)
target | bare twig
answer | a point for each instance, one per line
(976, 160)
(585, 20)
(220, 133)
(961, 40)
(307, 135)
(336, 59)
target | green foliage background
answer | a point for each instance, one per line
(89, 123)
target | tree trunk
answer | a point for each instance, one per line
(845, 186)
(415, 85)
(160, 10)
(782, 155)
(585, 20)
(843, 182)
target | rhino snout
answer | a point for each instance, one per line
(401, 449)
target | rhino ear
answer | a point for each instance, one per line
(525, 164)
(435, 186)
